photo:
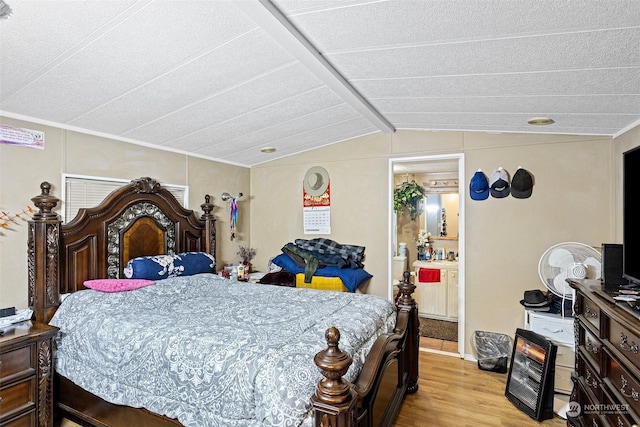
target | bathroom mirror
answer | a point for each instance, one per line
(440, 215)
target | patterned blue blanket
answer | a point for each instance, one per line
(209, 351)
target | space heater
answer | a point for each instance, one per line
(531, 375)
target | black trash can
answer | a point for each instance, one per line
(493, 350)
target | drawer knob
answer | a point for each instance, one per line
(589, 312)
(590, 347)
(633, 347)
(633, 394)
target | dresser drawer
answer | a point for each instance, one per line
(565, 356)
(588, 412)
(625, 341)
(591, 377)
(15, 364)
(18, 397)
(562, 381)
(26, 420)
(591, 313)
(552, 326)
(625, 384)
(590, 345)
(617, 414)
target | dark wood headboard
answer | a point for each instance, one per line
(138, 219)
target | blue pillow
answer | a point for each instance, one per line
(163, 266)
(352, 278)
(284, 261)
(195, 263)
(151, 267)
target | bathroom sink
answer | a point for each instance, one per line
(436, 264)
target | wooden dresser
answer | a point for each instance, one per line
(26, 375)
(606, 388)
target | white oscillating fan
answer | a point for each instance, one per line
(568, 260)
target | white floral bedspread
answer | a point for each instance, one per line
(212, 352)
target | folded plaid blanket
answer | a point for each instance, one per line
(327, 246)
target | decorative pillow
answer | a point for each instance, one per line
(152, 267)
(164, 266)
(285, 262)
(117, 285)
(195, 263)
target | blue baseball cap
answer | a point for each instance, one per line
(479, 186)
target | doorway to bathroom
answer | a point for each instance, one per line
(429, 241)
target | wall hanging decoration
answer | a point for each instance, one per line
(409, 196)
(233, 212)
(316, 201)
(7, 219)
(13, 135)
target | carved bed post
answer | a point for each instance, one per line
(210, 226)
(43, 256)
(405, 302)
(334, 400)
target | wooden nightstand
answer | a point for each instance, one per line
(26, 375)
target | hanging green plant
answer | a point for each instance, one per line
(409, 195)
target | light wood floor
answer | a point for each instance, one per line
(436, 344)
(454, 392)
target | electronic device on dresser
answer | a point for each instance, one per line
(612, 275)
(630, 223)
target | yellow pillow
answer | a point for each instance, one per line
(322, 283)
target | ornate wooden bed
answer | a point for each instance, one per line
(141, 218)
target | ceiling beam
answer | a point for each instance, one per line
(271, 20)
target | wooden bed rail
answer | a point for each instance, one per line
(390, 372)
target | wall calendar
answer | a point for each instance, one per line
(317, 213)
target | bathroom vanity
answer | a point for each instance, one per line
(437, 295)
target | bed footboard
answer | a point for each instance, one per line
(390, 372)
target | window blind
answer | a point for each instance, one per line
(88, 191)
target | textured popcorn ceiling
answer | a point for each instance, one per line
(221, 79)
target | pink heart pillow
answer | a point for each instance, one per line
(117, 285)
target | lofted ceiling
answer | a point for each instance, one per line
(223, 79)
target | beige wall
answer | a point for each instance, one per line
(23, 169)
(573, 200)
